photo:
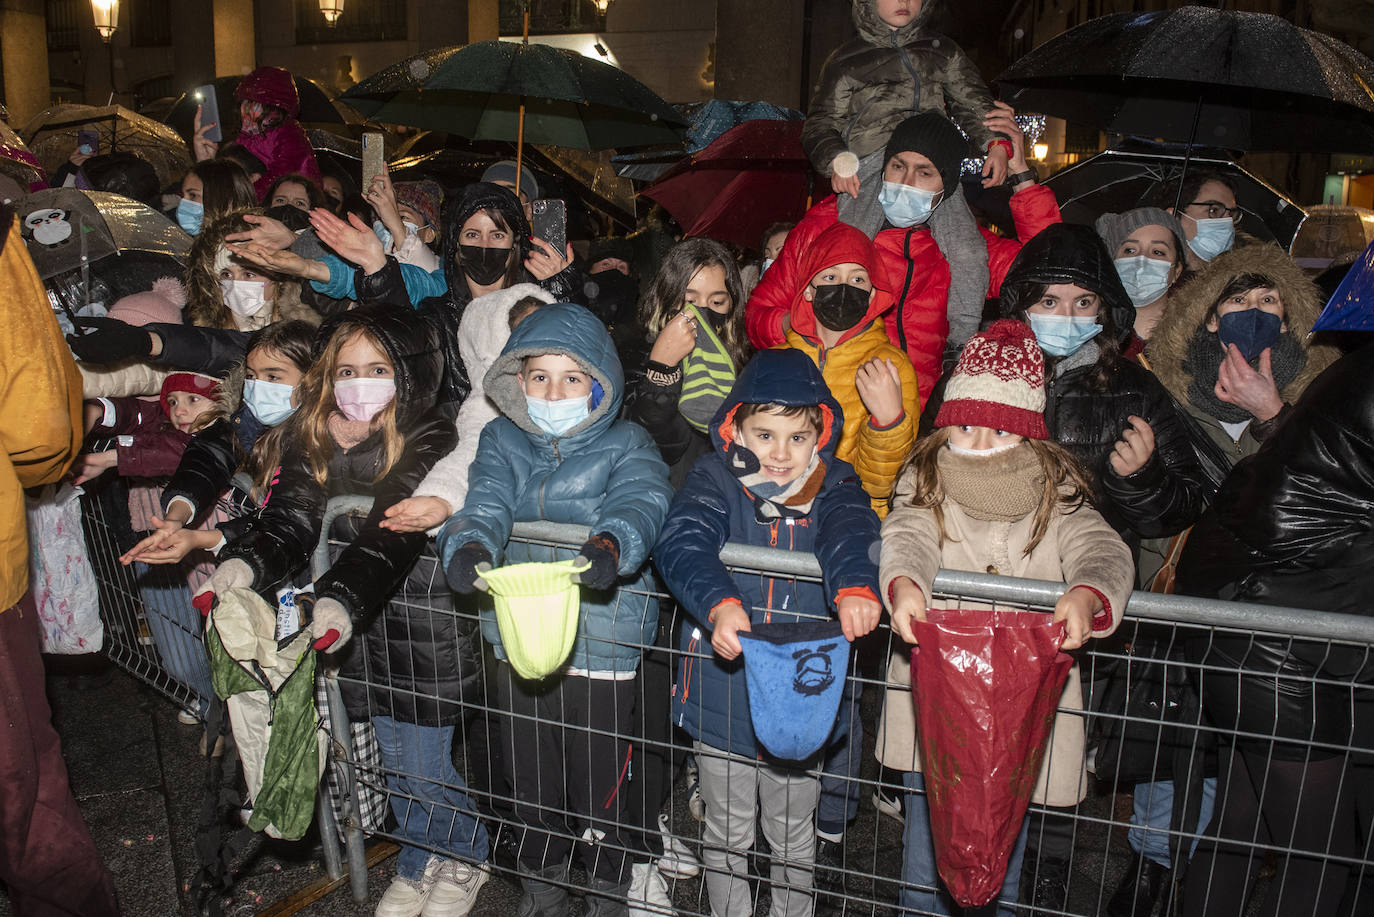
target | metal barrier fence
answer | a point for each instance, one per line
(1280, 808)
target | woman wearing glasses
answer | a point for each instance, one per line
(1209, 215)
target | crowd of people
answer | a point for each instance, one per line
(891, 386)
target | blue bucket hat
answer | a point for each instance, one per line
(795, 674)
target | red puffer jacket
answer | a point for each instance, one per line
(916, 269)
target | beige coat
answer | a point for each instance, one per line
(1079, 548)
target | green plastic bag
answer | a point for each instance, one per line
(537, 613)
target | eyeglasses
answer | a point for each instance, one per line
(1216, 210)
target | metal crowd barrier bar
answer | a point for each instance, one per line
(1148, 694)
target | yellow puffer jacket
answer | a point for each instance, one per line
(876, 454)
(40, 403)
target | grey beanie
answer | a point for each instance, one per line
(1115, 228)
(505, 171)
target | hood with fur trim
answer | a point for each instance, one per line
(875, 31)
(839, 243)
(1189, 303)
(485, 328)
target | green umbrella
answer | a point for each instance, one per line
(501, 90)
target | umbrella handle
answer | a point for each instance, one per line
(327, 639)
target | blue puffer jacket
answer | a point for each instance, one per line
(710, 699)
(604, 473)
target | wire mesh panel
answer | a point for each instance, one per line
(576, 784)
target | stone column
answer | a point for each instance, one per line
(24, 50)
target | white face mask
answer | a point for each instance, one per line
(244, 298)
(964, 450)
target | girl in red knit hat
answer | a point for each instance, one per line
(987, 492)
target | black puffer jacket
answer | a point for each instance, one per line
(446, 311)
(1168, 494)
(413, 648)
(1293, 526)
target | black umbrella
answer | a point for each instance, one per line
(1244, 81)
(1119, 180)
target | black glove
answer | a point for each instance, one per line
(604, 553)
(462, 567)
(110, 341)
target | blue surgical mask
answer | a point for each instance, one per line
(270, 402)
(906, 206)
(1213, 237)
(558, 417)
(190, 214)
(1145, 279)
(1061, 335)
(1251, 330)
(767, 263)
(385, 234)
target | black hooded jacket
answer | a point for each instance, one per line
(446, 311)
(1168, 494)
(1293, 525)
(409, 650)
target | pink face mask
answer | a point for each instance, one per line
(363, 399)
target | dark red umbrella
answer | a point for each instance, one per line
(748, 178)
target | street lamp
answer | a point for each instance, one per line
(1040, 150)
(602, 6)
(106, 15)
(332, 10)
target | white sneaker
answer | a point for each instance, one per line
(406, 897)
(455, 888)
(677, 860)
(648, 892)
(695, 804)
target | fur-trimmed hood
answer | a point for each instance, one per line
(1189, 302)
(485, 328)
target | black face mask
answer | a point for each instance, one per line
(483, 266)
(293, 218)
(839, 306)
(717, 320)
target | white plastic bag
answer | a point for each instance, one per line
(60, 573)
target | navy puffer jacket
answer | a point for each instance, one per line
(604, 473)
(710, 699)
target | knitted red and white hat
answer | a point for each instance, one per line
(999, 382)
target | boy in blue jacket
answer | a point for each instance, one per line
(772, 480)
(560, 454)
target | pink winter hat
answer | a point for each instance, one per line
(162, 304)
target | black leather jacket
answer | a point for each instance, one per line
(405, 648)
(1162, 498)
(1293, 525)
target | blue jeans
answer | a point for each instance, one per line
(918, 861)
(176, 628)
(428, 797)
(839, 803)
(1152, 813)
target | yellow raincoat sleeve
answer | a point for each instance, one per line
(40, 405)
(879, 453)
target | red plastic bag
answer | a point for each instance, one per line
(986, 686)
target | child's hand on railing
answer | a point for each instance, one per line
(1076, 608)
(728, 619)
(858, 615)
(908, 604)
(464, 568)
